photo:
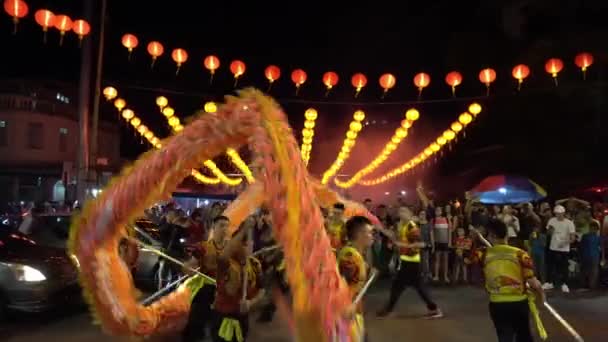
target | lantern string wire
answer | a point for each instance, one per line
(291, 100)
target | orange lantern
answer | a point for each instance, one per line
(81, 28)
(553, 67)
(358, 81)
(155, 49)
(180, 56)
(330, 79)
(453, 79)
(16, 9)
(387, 81)
(272, 73)
(238, 69)
(422, 80)
(583, 60)
(487, 76)
(520, 72)
(298, 77)
(63, 23)
(130, 42)
(45, 19)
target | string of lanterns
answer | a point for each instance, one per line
(433, 148)
(307, 134)
(176, 126)
(387, 81)
(18, 9)
(411, 116)
(351, 139)
(111, 94)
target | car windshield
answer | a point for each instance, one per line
(51, 231)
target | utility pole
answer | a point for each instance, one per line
(84, 95)
(98, 77)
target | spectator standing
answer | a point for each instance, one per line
(530, 222)
(538, 250)
(562, 235)
(591, 254)
(425, 234)
(442, 239)
(512, 223)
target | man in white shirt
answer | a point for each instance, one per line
(562, 232)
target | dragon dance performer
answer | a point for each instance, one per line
(508, 272)
(354, 269)
(206, 257)
(234, 267)
(335, 226)
(408, 240)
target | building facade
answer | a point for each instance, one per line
(39, 135)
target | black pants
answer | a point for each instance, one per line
(409, 275)
(200, 315)
(512, 321)
(557, 267)
(219, 318)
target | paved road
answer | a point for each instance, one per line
(465, 308)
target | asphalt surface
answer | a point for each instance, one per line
(466, 319)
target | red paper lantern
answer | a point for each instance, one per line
(553, 67)
(45, 19)
(16, 9)
(211, 63)
(155, 49)
(358, 81)
(272, 73)
(330, 79)
(387, 81)
(298, 77)
(487, 76)
(64, 24)
(130, 42)
(583, 60)
(520, 72)
(81, 28)
(180, 56)
(422, 80)
(453, 79)
(238, 69)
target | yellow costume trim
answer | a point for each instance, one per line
(230, 328)
(357, 328)
(536, 316)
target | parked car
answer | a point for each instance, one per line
(34, 277)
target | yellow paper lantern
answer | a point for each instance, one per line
(168, 112)
(149, 135)
(351, 135)
(110, 93)
(435, 147)
(456, 127)
(475, 108)
(128, 114)
(142, 129)
(401, 133)
(310, 114)
(162, 102)
(349, 142)
(406, 124)
(135, 122)
(355, 126)
(173, 121)
(309, 124)
(359, 115)
(210, 107)
(307, 133)
(441, 141)
(307, 140)
(449, 135)
(465, 118)
(120, 104)
(428, 151)
(412, 115)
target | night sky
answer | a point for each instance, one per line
(555, 135)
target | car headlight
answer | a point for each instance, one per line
(26, 273)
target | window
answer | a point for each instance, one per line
(3, 133)
(63, 140)
(35, 135)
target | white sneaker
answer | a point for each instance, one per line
(565, 288)
(548, 286)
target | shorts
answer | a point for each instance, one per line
(441, 247)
